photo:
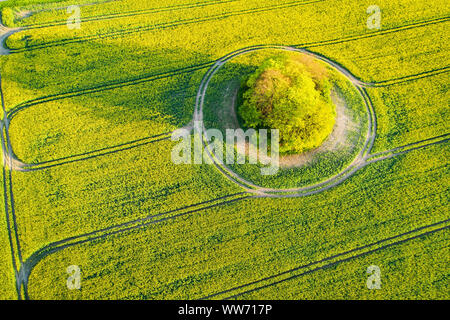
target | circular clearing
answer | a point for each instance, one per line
(342, 153)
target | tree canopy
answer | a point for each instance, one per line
(291, 93)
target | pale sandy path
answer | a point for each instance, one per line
(5, 32)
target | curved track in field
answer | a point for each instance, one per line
(18, 164)
(128, 14)
(13, 163)
(6, 32)
(357, 163)
(329, 261)
(28, 265)
(178, 23)
(107, 86)
(165, 25)
(10, 210)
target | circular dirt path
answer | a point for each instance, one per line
(358, 162)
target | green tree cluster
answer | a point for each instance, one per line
(290, 93)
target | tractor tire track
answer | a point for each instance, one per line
(409, 78)
(7, 161)
(377, 84)
(133, 13)
(29, 13)
(25, 167)
(108, 86)
(185, 22)
(19, 165)
(382, 32)
(260, 191)
(161, 26)
(383, 155)
(359, 162)
(6, 32)
(339, 258)
(9, 229)
(37, 256)
(10, 214)
(348, 172)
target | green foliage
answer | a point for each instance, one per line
(283, 94)
(84, 196)
(7, 279)
(417, 269)
(104, 119)
(179, 259)
(10, 3)
(8, 17)
(411, 111)
(326, 162)
(230, 245)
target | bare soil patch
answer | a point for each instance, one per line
(335, 141)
